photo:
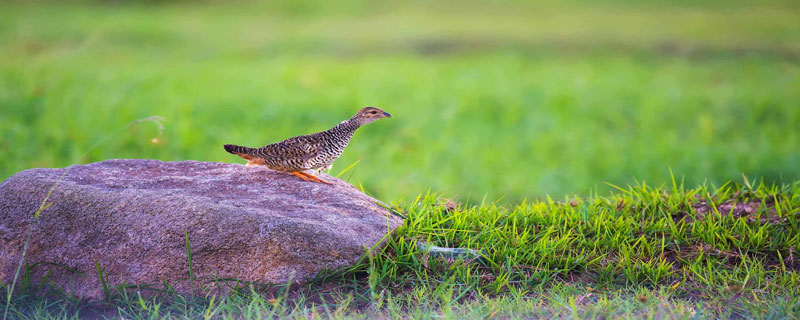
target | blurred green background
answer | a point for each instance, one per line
(504, 99)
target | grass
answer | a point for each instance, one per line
(726, 251)
(506, 101)
(511, 101)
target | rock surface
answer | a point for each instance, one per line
(131, 217)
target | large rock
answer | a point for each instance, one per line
(131, 217)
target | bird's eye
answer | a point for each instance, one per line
(373, 112)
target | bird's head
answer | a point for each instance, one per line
(370, 114)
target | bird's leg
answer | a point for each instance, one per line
(301, 176)
(314, 178)
(309, 177)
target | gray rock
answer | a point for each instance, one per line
(131, 217)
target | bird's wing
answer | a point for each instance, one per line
(300, 148)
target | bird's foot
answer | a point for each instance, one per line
(309, 177)
(301, 175)
(314, 178)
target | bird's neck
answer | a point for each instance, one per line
(350, 125)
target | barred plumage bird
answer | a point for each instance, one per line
(313, 151)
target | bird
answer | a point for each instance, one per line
(308, 152)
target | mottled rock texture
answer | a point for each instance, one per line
(131, 217)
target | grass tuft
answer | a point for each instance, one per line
(713, 251)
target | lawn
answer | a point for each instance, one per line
(511, 102)
(654, 252)
(529, 114)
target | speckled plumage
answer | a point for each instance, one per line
(313, 151)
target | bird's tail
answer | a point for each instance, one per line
(243, 152)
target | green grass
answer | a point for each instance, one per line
(500, 104)
(511, 100)
(727, 251)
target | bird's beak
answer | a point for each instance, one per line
(387, 114)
